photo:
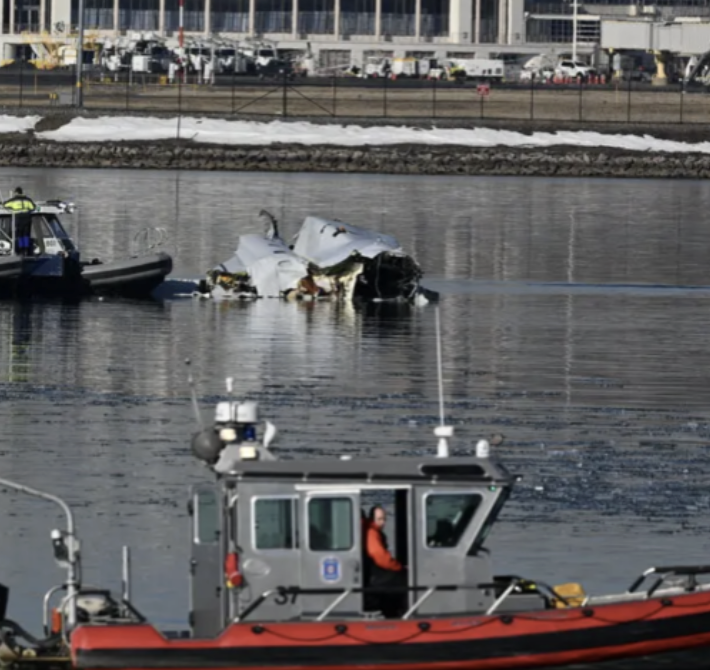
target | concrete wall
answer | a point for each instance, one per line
(461, 21)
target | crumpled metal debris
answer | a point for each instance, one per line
(328, 260)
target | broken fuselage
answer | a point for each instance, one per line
(328, 260)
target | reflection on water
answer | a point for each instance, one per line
(601, 391)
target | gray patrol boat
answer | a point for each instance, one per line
(279, 577)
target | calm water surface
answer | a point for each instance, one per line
(575, 318)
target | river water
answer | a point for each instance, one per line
(575, 319)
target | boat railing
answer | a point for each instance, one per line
(47, 600)
(281, 594)
(663, 574)
(129, 613)
(10, 239)
(128, 610)
(149, 238)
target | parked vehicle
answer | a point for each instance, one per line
(51, 262)
(574, 69)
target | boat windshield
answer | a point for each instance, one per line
(58, 231)
(448, 515)
(488, 524)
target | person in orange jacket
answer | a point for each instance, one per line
(376, 541)
(382, 569)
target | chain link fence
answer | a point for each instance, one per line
(338, 96)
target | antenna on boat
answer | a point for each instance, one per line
(193, 395)
(229, 382)
(442, 431)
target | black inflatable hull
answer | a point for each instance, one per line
(10, 268)
(133, 277)
(10, 273)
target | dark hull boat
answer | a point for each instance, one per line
(50, 263)
(10, 273)
(131, 277)
(10, 267)
(281, 577)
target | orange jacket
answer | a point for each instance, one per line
(377, 550)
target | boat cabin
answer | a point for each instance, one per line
(283, 540)
(35, 233)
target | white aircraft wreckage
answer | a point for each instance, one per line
(328, 260)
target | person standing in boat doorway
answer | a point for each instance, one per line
(382, 569)
(19, 202)
(22, 206)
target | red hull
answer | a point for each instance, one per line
(554, 638)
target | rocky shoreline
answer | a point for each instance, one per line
(29, 150)
(411, 159)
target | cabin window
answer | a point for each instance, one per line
(58, 230)
(448, 515)
(275, 523)
(206, 517)
(330, 524)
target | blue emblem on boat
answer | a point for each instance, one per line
(330, 569)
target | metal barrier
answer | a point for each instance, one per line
(149, 238)
(342, 96)
(664, 573)
(510, 584)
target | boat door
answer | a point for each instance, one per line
(331, 554)
(269, 540)
(206, 610)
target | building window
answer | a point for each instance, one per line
(316, 17)
(330, 524)
(275, 523)
(448, 516)
(434, 18)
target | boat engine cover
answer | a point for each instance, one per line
(94, 604)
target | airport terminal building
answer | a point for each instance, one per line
(419, 28)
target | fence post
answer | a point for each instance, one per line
(628, 104)
(22, 72)
(179, 101)
(433, 98)
(384, 95)
(682, 96)
(128, 86)
(284, 104)
(335, 95)
(581, 90)
(480, 97)
(234, 85)
(532, 96)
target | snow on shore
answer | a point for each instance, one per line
(251, 133)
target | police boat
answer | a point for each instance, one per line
(50, 262)
(280, 579)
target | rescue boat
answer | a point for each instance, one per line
(279, 577)
(38, 257)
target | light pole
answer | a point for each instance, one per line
(574, 30)
(80, 58)
(71, 560)
(181, 38)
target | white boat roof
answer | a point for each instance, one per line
(46, 207)
(453, 469)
